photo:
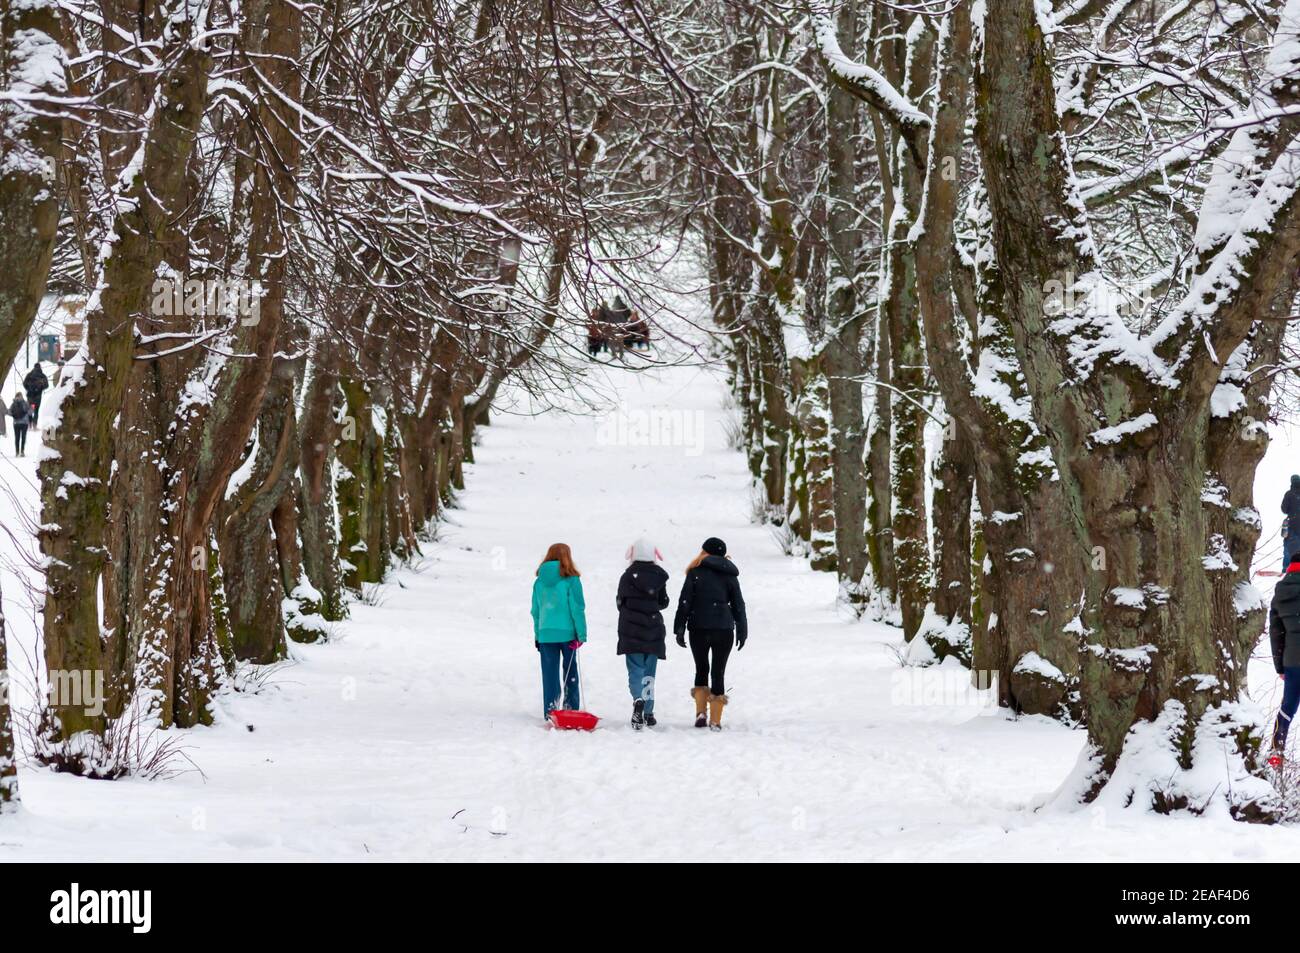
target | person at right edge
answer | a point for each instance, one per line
(713, 609)
(1284, 636)
(1291, 525)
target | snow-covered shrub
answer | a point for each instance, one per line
(373, 594)
(250, 678)
(760, 511)
(791, 543)
(733, 428)
(131, 746)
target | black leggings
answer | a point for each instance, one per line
(719, 640)
(20, 438)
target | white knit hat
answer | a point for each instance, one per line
(644, 551)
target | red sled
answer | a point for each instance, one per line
(569, 719)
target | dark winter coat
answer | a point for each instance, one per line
(1284, 622)
(642, 595)
(20, 412)
(1291, 507)
(35, 383)
(711, 599)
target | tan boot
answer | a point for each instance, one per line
(716, 704)
(701, 695)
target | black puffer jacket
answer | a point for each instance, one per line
(1284, 622)
(35, 384)
(620, 313)
(1291, 507)
(20, 412)
(642, 595)
(711, 599)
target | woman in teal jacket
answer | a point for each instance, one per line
(559, 626)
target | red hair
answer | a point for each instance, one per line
(560, 552)
(695, 563)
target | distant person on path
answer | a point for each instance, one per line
(620, 313)
(1291, 525)
(35, 383)
(638, 333)
(559, 626)
(1284, 638)
(598, 329)
(631, 330)
(21, 412)
(642, 597)
(713, 609)
(621, 321)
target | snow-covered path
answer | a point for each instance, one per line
(416, 733)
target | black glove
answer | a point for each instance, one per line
(537, 645)
(740, 644)
(681, 640)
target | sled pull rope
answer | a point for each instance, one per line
(582, 692)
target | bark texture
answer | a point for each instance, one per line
(1157, 511)
(79, 436)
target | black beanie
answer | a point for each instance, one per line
(715, 547)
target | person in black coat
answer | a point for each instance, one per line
(21, 414)
(1291, 525)
(35, 383)
(1284, 639)
(713, 609)
(642, 597)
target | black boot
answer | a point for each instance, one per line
(1278, 752)
(650, 720)
(638, 716)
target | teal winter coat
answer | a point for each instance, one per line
(559, 611)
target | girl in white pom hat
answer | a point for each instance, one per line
(642, 597)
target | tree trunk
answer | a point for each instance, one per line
(818, 495)
(180, 662)
(253, 577)
(317, 513)
(840, 358)
(1154, 475)
(75, 471)
(910, 380)
(363, 536)
(29, 141)
(843, 367)
(8, 765)
(954, 488)
(880, 509)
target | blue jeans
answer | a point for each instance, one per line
(1290, 702)
(641, 677)
(558, 662)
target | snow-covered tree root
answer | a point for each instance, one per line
(942, 637)
(1180, 762)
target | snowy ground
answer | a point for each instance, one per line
(416, 733)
